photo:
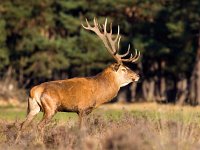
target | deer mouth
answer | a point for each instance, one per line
(136, 79)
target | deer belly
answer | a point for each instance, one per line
(76, 99)
(68, 105)
(68, 109)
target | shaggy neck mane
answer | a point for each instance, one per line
(106, 85)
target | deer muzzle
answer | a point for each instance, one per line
(136, 78)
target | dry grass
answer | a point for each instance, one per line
(137, 127)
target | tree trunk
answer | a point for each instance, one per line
(121, 98)
(182, 91)
(192, 91)
(133, 92)
(162, 89)
(148, 88)
(7, 79)
(161, 95)
(194, 96)
(198, 81)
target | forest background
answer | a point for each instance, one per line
(42, 40)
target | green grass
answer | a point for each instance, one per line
(183, 114)
(11, 115)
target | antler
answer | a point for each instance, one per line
(112, 45)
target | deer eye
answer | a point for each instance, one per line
(123, 69)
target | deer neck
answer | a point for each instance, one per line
(107, 87)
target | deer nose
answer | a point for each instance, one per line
(137, 77)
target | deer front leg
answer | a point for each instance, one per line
(82, 114)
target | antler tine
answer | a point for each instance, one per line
(105, 24)
(95, 22)
(138, 56)
(88, 25)
(118, 30)
(118, 42)
(111, 45)
(100, 27)
(110, 42)
(102, 35)
(133, 58)
(114, 47)
(123, 55)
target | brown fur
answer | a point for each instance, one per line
(76, 94)
(80, 95)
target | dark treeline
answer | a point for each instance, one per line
(42, 40)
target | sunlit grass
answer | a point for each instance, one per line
(150, 111)
(9, 115)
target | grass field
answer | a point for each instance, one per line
(114, 126)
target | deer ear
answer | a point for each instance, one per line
(116, 67)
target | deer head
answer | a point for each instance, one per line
(124, 74)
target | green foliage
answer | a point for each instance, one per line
(44, 39)
(4, 53)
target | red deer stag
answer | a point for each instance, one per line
(82, 95)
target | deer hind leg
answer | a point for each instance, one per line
(49, 111)
(32, 111)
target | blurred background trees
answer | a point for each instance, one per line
(42, 40)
